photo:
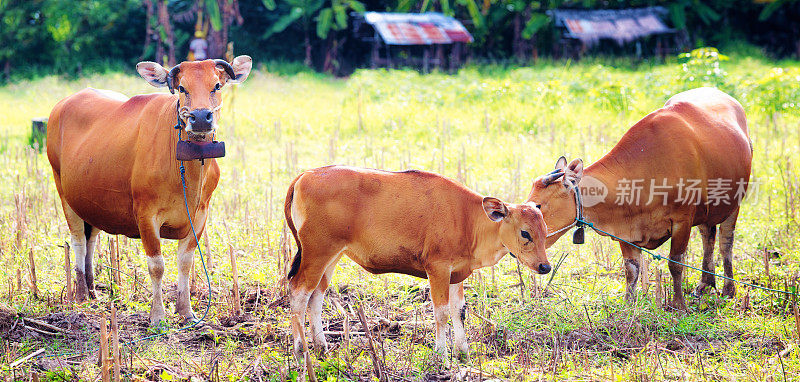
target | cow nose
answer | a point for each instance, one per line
(202, 120)
(544, 268)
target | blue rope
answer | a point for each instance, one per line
(659, 257)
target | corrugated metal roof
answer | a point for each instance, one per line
(622, 25)
(417, 28)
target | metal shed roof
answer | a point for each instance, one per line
(417, 28)
(622, 25)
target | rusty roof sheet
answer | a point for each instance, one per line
(417, 28)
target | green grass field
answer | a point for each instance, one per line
(493, 128)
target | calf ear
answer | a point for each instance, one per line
(241, 69)
(153, 73)
(561, 163)
(495, 209)
(574, 172)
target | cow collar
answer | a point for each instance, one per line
(578, 236)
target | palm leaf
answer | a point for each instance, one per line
(536, 22)
(324, 21)
(284, 22)
(212, 8)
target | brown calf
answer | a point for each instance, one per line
(684, 165)
(413, 222)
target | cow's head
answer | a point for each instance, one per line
(198, 84)
(554, 194)
(522, 231)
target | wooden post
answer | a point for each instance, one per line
(38, 132)
(67, 272)
(376, 362)
(103, 359)
(117, 275)
(766, 267)
(237, 308)
(34, 287)
(659, 287)
(115, 343)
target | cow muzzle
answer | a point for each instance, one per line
(200, 121)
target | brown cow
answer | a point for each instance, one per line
(690, 162)
(115, 170)
(413, 222)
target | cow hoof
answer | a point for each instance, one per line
(676, 306)
(194, 322)
(729, 290)
(703, 288)
(321, 348)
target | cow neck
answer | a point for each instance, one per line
(601, 213)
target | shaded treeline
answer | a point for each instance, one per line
(70, 36)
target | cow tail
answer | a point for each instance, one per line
(287, 212)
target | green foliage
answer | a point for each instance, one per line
(700, 67)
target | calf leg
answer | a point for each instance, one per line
(440, 295)
(680, 240)
(709, 234)
(458, 312)
(632, 260)
(726, 231)
(314, 263)
(315, 309)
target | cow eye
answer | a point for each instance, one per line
(539, 206)
(216, 87)
(182, 89)
(525, 235)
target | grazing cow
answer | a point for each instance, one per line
(684, 165)
(412, 222)
(115, 168)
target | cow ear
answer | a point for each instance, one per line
(153, 73)
(574, 172)
(241, 69)
(495, 209)
(561, 163)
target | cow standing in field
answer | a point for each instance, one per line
(413, 222)
(115, 170)
(684, 165)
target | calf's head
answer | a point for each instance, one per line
(522, 231)
(554, 194)
(198, 84)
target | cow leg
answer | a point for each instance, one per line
(458, 312)
(183, 305)
(77, 233)
(315, 310)
(726, 231)
(709, 235)
(632, 260)
(440, 295)
(680, 241)
(91, 245)
(151, 241)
